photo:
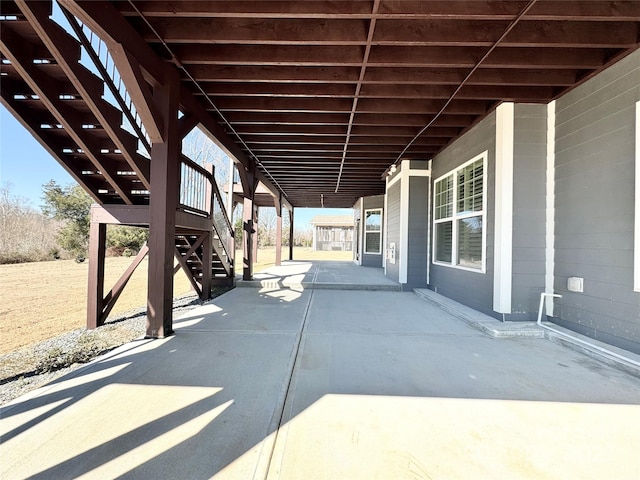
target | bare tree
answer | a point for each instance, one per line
(26, 235)
(267, 226)
(202, 150)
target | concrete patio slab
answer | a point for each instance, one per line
(485, 323)
(282, 383)
(332, 275)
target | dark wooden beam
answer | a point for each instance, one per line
(63, 47)
(507, 10)
(207, 267)
(165, 175)
(330, 132)
(266, 104)
(95, 289)
(103, 19)
(47, 139)
(501, 57)
(391, 31)
(329, 143)
(412, 9)
(186, 124)
(473, 92)
(566, 34)
(183, 264)
(247, 238)
(48, 91)
(278, 206)
(192, 249)
(379, 90)
(291, 237)
(483, 76)
(398, 76)
(108, 23)
(278, 55)
(364, 119)
(257, 31)
(264, 8)
(140, 91)
(387, 56)
(112, 297)
(256, 235)
(271, 89)
(133, 215)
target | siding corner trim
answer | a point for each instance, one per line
(503, 247)
(636, 241)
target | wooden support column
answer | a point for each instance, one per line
(207, 266)
(291, 234)
(247, 239)
(256, 213)
(165, 178)
(250, 184)
(95, 292)
(278, 205)
(207, 248)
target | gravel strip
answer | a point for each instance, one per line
(36, 365)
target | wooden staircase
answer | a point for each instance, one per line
(62, 103)
(195, 259)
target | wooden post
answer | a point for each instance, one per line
(207, 248)
(95, 292)
(291, 234)
(256, 212)
(247, 239)
(165, 178)
(278, 205)
(207, 266)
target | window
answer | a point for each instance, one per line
(459, 204)
(373, 231)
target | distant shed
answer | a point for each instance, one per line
(333, 232)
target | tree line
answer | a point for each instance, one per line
(267, 219)
(60, 230)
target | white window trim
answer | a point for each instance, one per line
(454, 218)
(364, 239)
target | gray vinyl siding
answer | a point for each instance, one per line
(372, 259)
(529, 210)
(418, 231)
(393, 229)
(594, 205)
(470, 288)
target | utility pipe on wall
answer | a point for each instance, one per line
(543, 295)
(589, 345)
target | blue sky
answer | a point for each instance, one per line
(25, 166)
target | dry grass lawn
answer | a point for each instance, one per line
(267, 257)
(45, 299)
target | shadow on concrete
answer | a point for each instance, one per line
(304, 383)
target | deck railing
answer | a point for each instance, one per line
(199, 195)
(195, 188)
(98, 52)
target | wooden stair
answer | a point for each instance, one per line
(61, 102)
